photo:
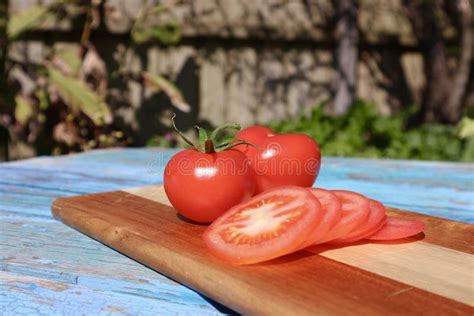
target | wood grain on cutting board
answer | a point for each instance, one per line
(434, 275)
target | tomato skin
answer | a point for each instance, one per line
(332, 213)
(355, 211)
(202, 186)
(397, 228)
(256, 230)
(253, 134)
(374, 223)
(286, 159)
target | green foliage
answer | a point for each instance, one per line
(362, 132)
(466, 128)
(71, 59)
(24, 110)
(160, 83)
(66, 106)
(26, 20)
(166, 141)
(166, 33)
(80, 97)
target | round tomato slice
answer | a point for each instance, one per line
(332, 211)
(374, 222)
(267, 226)
(355, 210)
(398, 228)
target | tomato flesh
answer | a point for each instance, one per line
(375, 221)
(398, 228)
(355, 210)
(267, 226)
(332, 211)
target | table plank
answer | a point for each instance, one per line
(39, 296)
(32, 243)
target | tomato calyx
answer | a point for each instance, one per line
(213, 142)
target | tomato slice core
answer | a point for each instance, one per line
(331, 208)
(398, 228)
(267, 226)
(355, 210)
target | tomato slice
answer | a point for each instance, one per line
(398, 228)
(267, 226)
(355, 210)
(375, 221)
(332, 211)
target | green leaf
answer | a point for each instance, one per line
(166, 33)
(24, 110)
(226, 141)
(71, 58)
(77, 95)
(202, 135)
(466, 127)
(161, 83)
(26, 20)
(43, 99)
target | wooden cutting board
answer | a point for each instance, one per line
(430, 274)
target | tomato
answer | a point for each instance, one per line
(267, 226)
(253, 135)
(398, 228)
(205, 181)
(355, 210)
(281, 159)
(331, 209)
(203, 186)
(375, 221)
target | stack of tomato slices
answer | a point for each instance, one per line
(287, 219)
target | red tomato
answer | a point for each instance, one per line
(375, 221)
(203, 186)
(332, 210)
(355, 210)
(284, 159)
(398, 228)
(269, 225)
(253, 134)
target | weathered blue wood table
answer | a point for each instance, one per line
(48, 268)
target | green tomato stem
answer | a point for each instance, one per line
(190, 143)
(215, 133)
(208, 144)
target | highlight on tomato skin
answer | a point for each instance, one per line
(269, 225)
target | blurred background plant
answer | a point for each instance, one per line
(68, 101)
(62, 104)
(362, 132)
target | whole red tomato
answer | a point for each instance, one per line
(204, 182)
(282, 159)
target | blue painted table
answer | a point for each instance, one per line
(48, 268)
